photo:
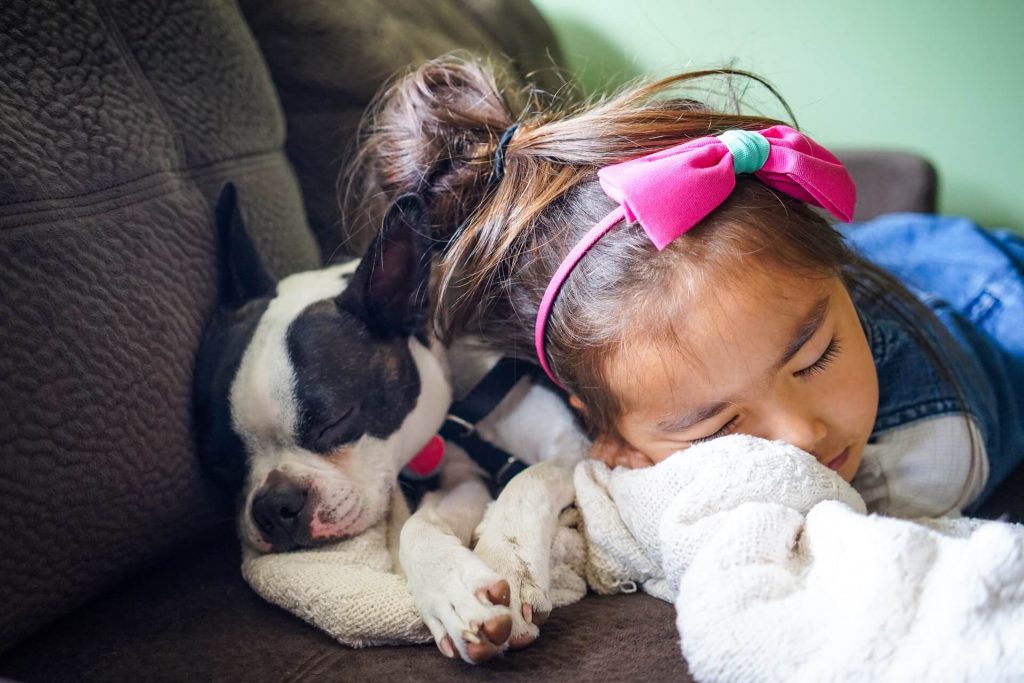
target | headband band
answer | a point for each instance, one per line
(670, 191)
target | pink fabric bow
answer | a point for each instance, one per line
(670, 191)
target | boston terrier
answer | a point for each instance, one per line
(313, 393)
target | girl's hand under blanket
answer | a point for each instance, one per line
(614, 452)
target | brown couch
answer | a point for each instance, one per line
(119, 119)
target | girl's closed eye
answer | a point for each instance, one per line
(727, 428)
(824, 360)
(830, 353)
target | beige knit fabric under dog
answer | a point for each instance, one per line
(350, 590)
(353, 591)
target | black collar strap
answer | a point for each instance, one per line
(492, 390)
(463, 416)
(499, 464)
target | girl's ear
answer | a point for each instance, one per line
(389, 289)
(577, 404)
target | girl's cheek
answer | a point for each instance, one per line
(659, 452)
(615, 451)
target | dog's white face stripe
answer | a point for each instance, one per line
(431, 406)
(262, 395)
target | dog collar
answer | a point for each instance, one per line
(427, 462)
(464, 415)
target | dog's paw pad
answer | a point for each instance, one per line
(481, 652)
(498, 629)
(523, 640)
(488, 640)
(528, 629)
(497, 593)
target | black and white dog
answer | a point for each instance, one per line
(314, 392)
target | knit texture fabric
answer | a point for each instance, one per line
(777, 573)
(349, 589)
(354, 591)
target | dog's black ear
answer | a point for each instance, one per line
(242, 275)
(388, 291)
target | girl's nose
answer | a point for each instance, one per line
(802, 427)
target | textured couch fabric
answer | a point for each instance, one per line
(195, 619)
(119, 121)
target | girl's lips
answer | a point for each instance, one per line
(837, 462)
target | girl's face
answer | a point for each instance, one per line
(774, 356)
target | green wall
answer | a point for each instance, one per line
(942, 78)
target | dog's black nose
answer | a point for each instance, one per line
(277, 512)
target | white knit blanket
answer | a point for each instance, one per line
(777, 573)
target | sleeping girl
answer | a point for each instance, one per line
(674, 269)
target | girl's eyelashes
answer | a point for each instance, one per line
(726, 429)
(830, 354)
(826, 358)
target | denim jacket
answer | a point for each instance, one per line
(974, 283)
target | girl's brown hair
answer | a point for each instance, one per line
(435, 131)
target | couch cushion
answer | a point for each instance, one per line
(118, 123)
(193, 618)
(890, 182)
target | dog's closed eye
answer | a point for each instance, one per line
(338, 430)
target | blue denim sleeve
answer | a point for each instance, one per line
(973, 280)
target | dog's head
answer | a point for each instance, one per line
(313, 392)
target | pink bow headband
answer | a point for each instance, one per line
(670, 191)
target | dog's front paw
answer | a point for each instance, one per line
(466, 607)
(528, 580)
(476, 640)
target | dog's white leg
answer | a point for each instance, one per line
(515, 540)
(461, 599)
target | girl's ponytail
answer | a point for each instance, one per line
(433, 131)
